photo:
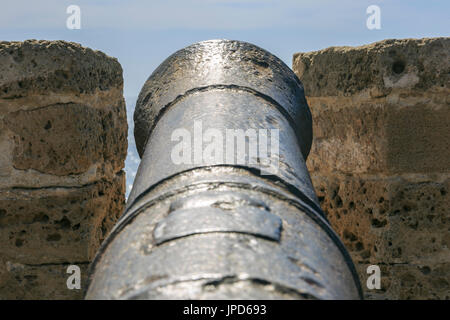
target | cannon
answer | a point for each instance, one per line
(222, 206)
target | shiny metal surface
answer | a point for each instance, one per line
(212, 229)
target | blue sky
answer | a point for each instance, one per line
(141, 34)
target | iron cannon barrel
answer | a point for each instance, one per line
(222, 206)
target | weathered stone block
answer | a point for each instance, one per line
(409, 281)
(42, 282)
(389, 219)
(58, 225)
(63, 142)
(379, 160)
(376, 69)
(370, 115)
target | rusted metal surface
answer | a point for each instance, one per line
(211, 229)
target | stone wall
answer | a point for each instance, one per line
(63, 141)
(380, 158)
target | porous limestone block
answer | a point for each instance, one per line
(380, 158)
(379, 108)
(63, 142)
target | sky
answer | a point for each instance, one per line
(141, 34)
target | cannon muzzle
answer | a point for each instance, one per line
(222, 206)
